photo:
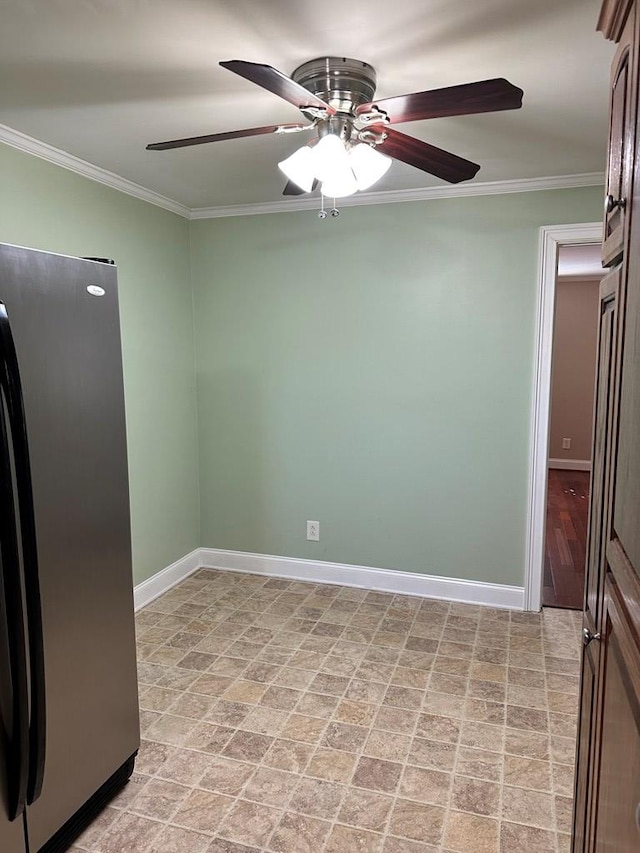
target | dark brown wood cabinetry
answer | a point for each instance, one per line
(594, 599)
(621, 129)
(607, 794)
(617, 813)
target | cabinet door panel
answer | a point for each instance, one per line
(587, 745)
(617, 823)
(587, 753)
(626, 520)
(621, 144)
(626, 502)
(602, 443)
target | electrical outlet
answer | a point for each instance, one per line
(566, 444)
(313, 531)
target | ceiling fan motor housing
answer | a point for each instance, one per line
(342, 83)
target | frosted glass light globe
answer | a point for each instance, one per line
(368, 165)
(300, 168)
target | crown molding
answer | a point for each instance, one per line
(22, 142)
(19, 140)
(522, 185)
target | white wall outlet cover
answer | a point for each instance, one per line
(566, 443)
(313, 531)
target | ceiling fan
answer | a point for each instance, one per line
(354, 142)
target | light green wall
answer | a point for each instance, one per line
(373, 373)
(47, 207)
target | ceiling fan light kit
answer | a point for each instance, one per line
(368, 165)
(299, 167)
(341, 168)
(355, 143)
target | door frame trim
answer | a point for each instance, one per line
(551, 238)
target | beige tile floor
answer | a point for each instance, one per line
(298, 718)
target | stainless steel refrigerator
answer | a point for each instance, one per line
(69, 729)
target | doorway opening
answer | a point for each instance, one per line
(556, 577)
(573, 370)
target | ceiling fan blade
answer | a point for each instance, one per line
(293, 189)
(278, 83)
(427, 157)
(486, 96)
(221, 137)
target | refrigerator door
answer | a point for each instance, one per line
(63, 314)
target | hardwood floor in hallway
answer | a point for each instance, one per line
(566, 538)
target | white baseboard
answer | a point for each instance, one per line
(317, 571)
(147, 591)
(385, 580)
(571, 464)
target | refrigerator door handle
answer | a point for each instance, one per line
(10, 383)
(18, 743)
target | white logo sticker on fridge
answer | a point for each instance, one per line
(95, 290)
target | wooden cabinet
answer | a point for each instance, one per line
(607, 793)
(621, 137)
(626, 515)
(603, 441)
(587, 758)
(617, 824)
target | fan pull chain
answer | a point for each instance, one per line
(322, 214)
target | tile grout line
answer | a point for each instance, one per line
(359, 755)
(396, 795)
(224, 589)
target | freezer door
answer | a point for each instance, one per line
(65, 325)
(11, 832)
(11, 835)
(14, 711)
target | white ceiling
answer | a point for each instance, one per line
(101, 78)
